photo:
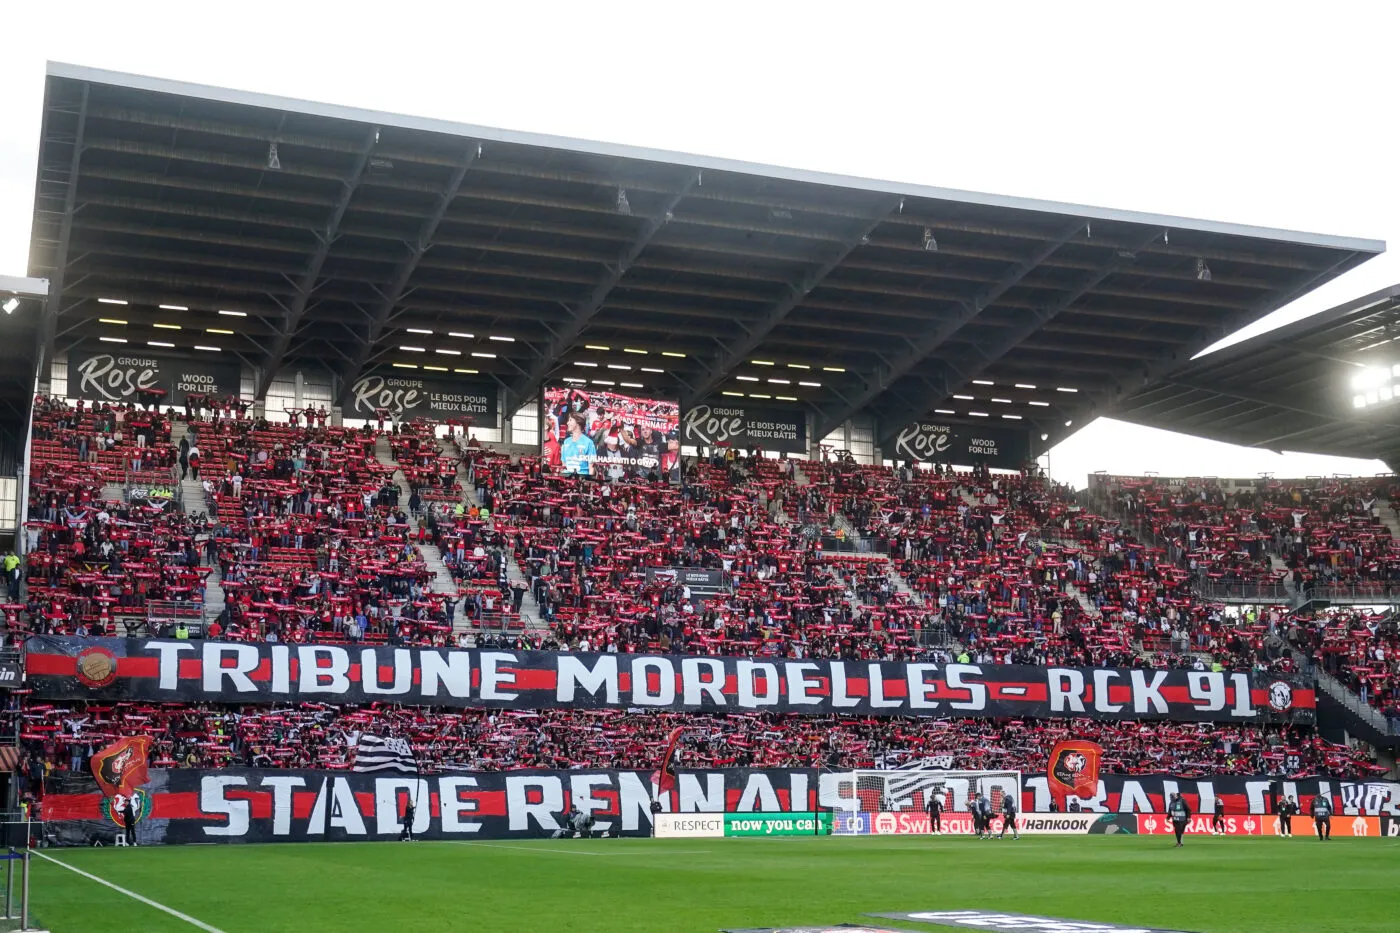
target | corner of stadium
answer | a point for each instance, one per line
(573, 509)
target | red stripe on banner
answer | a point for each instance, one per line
(183, 806)
(52, 665)
(1025, 693)
(72, 807)
(532, 678)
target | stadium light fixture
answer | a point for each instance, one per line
(405, 366)
(436, 369)
(1045, 437)
(575, 380)
(219, 330)
(1068, 423)
(747, 378)
(207, 349)
(413, 349)
(484, 356)
(1039, 404)
(620, 366)
(604, 382)
(757, 395)
(798, 366)
(111, 301)
(446, 352)
(596, 346)
(944, 411)
(234, 313)
(833, 369)
(417, 330)
(963, 398)
(631, 385)
(1065, 389)
(679, 356)
(733, 394)
(107, 320)
(1370, 377)
(461, 336)
(160, 343)
(781, 382)
(172, 307)
(983, 382)
(761, 362)
(1202, 271)
(500, 339)
(652, 369)
(810, 385)
(112, 339)
(166, 326)
(585, 363)
(1024, 385)
(979, 414)
(469, 372)
(1004, 401)
(930, 244)
(634, 350)
(10, 304)
(787, 398)
(1012, 417)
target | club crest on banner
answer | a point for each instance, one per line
(114, 808)
(96, 667)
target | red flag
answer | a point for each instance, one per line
(1074, 769)
(120, 768)
(666, 777)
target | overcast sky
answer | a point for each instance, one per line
(1276, 114)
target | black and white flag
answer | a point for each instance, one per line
(378, 753)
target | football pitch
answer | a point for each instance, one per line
(1214, 885)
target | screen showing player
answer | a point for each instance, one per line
(591, 432)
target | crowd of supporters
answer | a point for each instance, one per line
(310, 538)
(322, 736)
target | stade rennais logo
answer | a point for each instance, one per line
(114, 808)
(96, 667)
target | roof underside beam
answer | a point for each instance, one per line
(65, 177)
(736, 352)
(953, 374)
(1106, 402)
(922, 345)
(307, 283)
(394, 293)
(582, 314)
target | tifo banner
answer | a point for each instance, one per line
(1074, 768)
(100, 376)
(66, 668)
(415, 396)
(964, 445)
(783, 430)
(248, 805)
(591, 432)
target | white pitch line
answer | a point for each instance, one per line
(132, 894)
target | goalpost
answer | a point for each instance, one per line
(904, 790)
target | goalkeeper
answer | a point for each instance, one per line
(1008, 814)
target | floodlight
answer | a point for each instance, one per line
(10, 304)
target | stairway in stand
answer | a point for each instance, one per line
(529, 610)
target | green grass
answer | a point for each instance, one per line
(1214, 885)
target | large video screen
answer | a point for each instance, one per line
(591, 432)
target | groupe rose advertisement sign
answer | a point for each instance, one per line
(138, 377)
(964, 445)
(406, 397)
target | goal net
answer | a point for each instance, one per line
(911, 789)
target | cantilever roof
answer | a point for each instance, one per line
(370, 228)
(1290, 388)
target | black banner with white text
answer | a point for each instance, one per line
(782, 430)
(233, 805)
(405, 397)
(100, 375)
(961, 444)
(70, 668)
